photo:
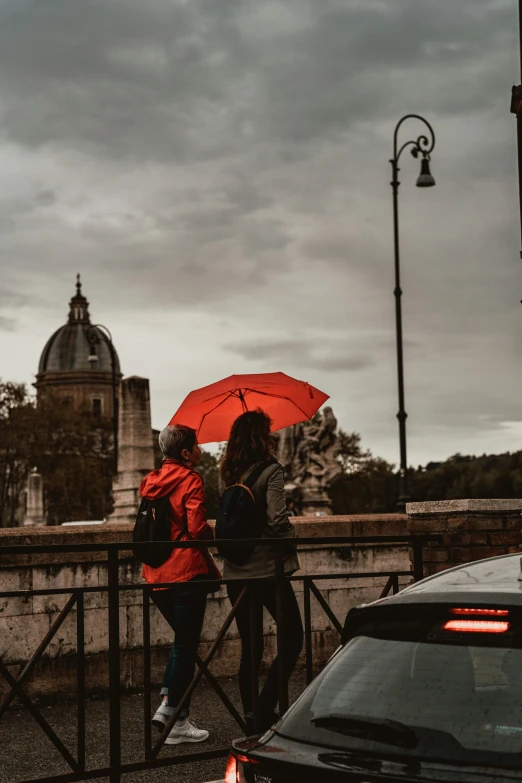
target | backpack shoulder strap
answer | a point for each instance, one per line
(256, 472)
(244, 486)
(165, 499)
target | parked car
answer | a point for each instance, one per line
(427, 686)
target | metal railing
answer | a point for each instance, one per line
(113, 588)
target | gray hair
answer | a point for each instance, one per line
(174, 439)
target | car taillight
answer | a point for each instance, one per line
(484, 620)
(231, 770)
(235, 768)
(476, 626)
(472, 611)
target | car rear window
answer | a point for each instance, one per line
(449, 681)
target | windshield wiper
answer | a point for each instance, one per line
(391, 732)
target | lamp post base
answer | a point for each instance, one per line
(401, 504)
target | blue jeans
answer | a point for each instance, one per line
(184, 612)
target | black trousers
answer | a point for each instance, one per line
(265, 595)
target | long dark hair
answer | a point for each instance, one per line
(249, 443)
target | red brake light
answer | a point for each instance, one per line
(246, 759)
(482, 612)
(234, 770)
(231, 770)
(476, 626)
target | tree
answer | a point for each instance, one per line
(351, 456)
(367, 483)
(71, 450)
(74, 454)
(17, 427)
(208, 469)
(158, 456)
(461, 476)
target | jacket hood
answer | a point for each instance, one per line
(164, 480)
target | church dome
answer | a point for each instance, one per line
(69, 348)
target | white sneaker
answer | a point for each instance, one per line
(186, 732)
(161, 716)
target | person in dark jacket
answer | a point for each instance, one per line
(183, 606)
(249, 445)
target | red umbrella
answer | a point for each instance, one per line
(212, 409)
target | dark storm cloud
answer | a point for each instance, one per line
(301, 353)
(121, 78)
(341, 363)
(227, 163)
(186, 81)
(352, 58)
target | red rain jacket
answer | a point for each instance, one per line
(185, 489)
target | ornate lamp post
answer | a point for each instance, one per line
(93, 338)
(422, 146)
(516, 109)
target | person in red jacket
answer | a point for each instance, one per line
(183, 605)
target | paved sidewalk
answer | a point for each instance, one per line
(26, 753)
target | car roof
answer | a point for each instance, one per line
(491, 581)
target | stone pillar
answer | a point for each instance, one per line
(135, 452)
(468, 529)
(34, 515)
(314, 500)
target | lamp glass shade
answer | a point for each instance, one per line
(425, 178)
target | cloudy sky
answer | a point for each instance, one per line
(218, 172)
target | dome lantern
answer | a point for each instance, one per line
(79, 306)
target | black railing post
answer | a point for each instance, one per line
(308, 632)
(418, 561)
(114, 666)
(147, 727)
(80, 669)
(282, 652)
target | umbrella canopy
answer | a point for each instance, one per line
(212, 410)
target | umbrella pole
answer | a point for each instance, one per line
(243, 403)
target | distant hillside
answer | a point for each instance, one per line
(373, 486)
(488, 476)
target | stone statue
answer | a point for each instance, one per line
(308, 453)
(35, 516)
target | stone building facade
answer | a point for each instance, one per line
(79, 364)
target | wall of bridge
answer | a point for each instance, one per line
(25, 621)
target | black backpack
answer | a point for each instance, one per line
(153, 524)
(238, 517)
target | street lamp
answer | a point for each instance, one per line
(423, 146)
(516, 109)
(93, 338)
